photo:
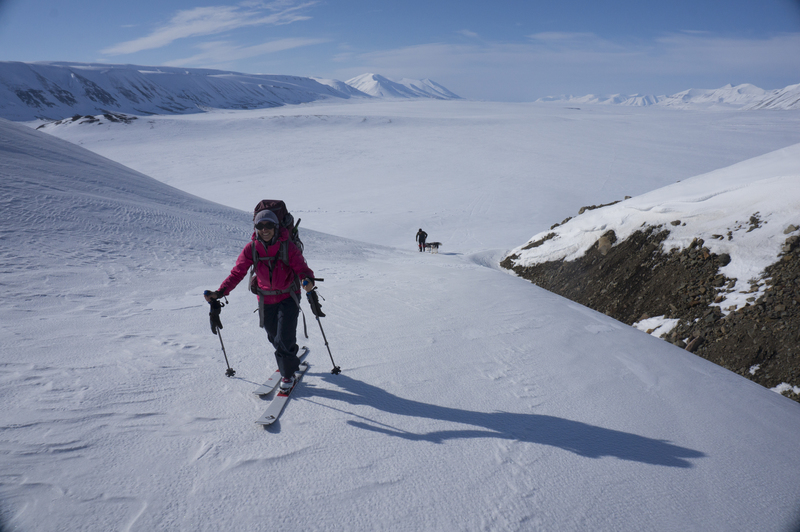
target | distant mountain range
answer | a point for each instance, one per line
(743, 96)
(53, 91)
(57, 90)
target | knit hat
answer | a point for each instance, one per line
(265, 216)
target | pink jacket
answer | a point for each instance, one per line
(282, 274)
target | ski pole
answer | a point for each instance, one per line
(230, 372)
(216, 326)
(336, 369)
(316, 309)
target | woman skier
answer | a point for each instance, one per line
(279, 267)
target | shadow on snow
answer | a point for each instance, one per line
(580, 438)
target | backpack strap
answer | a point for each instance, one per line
(283, 255)
(294, 288)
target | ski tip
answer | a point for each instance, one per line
(267, 421)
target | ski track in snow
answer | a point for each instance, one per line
(469, 399)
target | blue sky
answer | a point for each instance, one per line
(508, 50)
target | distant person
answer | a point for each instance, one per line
(279, 295)
(421, 236)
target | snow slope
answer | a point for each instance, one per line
(786, 98)
(58, 90)
(738, 96)
(382, 87)
(469, 399)
(742, 211)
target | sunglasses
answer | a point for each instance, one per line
(265, 225)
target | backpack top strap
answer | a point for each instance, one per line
(283, 255)
(283, 252)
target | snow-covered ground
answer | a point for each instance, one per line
(469, 399)
(476, 176)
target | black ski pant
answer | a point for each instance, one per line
(280, 322)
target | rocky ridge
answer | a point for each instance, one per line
(637, 279)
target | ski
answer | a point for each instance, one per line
(275, 378)
(281, 398)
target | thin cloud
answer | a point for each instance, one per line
(776, 52)
(222, 52)
(212, 20)
(582, 63)
(561, 36)
(467, 33)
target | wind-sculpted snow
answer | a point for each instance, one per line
(78, 209)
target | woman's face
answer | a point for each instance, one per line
(266, 234)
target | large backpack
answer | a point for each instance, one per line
(286, 221)
(285, 218)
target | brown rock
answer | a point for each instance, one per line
(604, 245)
(694, 344)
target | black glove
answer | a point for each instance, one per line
(313, 301)
(216, 307)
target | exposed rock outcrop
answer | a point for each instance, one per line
(636, 279)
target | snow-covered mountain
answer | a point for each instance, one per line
(738, 96)
(381, 87)
(786, 98)
(57, 90)
(743, 96)
(342, 87)
(636, 100)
